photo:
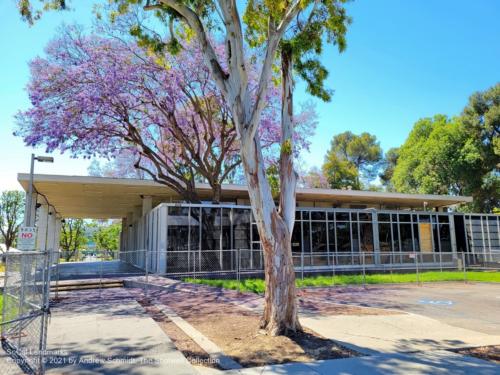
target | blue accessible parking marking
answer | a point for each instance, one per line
(436, 302)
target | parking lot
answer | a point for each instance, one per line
(473, 306)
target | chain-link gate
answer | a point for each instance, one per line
(25, 312)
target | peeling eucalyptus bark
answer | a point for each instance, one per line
(276, 226)
(280, 312)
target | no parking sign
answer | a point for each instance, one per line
(26, 239)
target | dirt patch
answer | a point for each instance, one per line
(489, 353)
(190, 349)
(312, 305)
(236, 332)
(329, 301)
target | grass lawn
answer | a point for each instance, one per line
(257, 285)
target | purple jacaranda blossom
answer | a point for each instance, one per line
(96, 96)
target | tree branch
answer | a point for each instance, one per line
(195, 23)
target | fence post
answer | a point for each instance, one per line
(364, 272)
(238, 254)
(333, 269)
(194, 263)
(441, 262)
(22, 268)
(391, 264)
(57, 274)
(146, 280)
(100, 271)
(5, 290)
(45, 308)
(416, 268)
(302, 265)
(464, 266)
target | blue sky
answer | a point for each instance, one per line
(405, 60)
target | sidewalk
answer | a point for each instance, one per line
(396, 333)
(109, 334)
(432, 363)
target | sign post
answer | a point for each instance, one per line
(26, 240)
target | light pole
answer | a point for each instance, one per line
(28, 220)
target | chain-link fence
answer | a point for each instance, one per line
(339, 268)
(238, 264)
(25, 312)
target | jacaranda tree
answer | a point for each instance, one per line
(93, 95)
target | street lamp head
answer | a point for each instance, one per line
(45, 159)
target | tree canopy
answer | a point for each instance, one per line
(458, 156)
(388, 164)
(93, 95)
(73, 237)
(107, 238)
(11, 216)
(353, 160)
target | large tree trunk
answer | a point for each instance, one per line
(275, 227)
(280, 311)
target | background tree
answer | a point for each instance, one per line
(121, 166)
(73, 238)
(247, 103)
(481, 122)
(314, 178)
(443, 156)
(353, 160)
(107, 238)
(11, 216)
(388, 164)
(481, 119)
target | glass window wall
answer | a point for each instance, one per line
(193, 230)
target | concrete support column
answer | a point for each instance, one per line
(130, 231)
(162, 235)
(453, 236)
(123, 239)
(147, 205)
(42, 227)
(31, 209)
(137, 218)
(51, 229)
(57, 238)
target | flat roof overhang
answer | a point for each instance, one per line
(107, 198)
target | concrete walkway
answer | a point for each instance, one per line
(433, 363)
(110, 333)
(395, 333)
